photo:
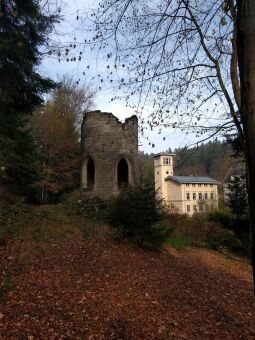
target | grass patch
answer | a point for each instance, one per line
(48, 225)
(179, 242)
(34, 230)
(11, 221)
(29, 230)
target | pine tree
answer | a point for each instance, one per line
(23, 31)
(237, 196)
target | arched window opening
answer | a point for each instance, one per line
(90, 174)
(122, 173)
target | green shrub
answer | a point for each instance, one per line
(218, 238)
(241, 242)
(176, 220)
(179, 242)
(206, 230)
(136, 213)
(93, 207)
(223, 217)
(11, 221)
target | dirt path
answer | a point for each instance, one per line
(94, 288)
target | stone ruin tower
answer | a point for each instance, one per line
(109, 154)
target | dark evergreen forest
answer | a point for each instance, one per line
(212, 159)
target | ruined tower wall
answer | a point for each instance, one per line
(106, 140)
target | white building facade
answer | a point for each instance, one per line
(184, 194)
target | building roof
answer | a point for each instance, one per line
(238, 170)
(163, 154)
(192, 179)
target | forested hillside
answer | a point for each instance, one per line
(211, 159)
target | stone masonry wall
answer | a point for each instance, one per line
(106, 140)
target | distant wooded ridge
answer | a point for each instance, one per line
(212, 159)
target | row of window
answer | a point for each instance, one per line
(167, 173)
(200, 195)
(167, 161)
(200, 207)
(198, 184)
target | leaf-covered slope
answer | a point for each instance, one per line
(87, 286)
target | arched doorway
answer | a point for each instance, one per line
(90, 175)
(122, 173)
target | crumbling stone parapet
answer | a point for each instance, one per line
(109, 154)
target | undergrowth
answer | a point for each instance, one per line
(179, 242)
(29, 230)
(136, 215)
(206, 230)
(11, 221)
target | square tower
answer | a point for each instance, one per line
(163, 167)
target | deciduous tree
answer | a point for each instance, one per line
(246, 50)
(178, 57)
(56, 129)
(191, 62)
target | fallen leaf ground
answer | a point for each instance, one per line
(88, 286)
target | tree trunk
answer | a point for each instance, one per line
(246, 54)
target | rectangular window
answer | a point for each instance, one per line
(206, 195)
(200, 196)
(188, 207)
(188, 195)
(194, 208)
(194, 196)
(167, 161)
(211, 195)
(200, 206)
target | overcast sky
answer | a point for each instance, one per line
(66, 32)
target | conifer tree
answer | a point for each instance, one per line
(237, 196)
(24, 29)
